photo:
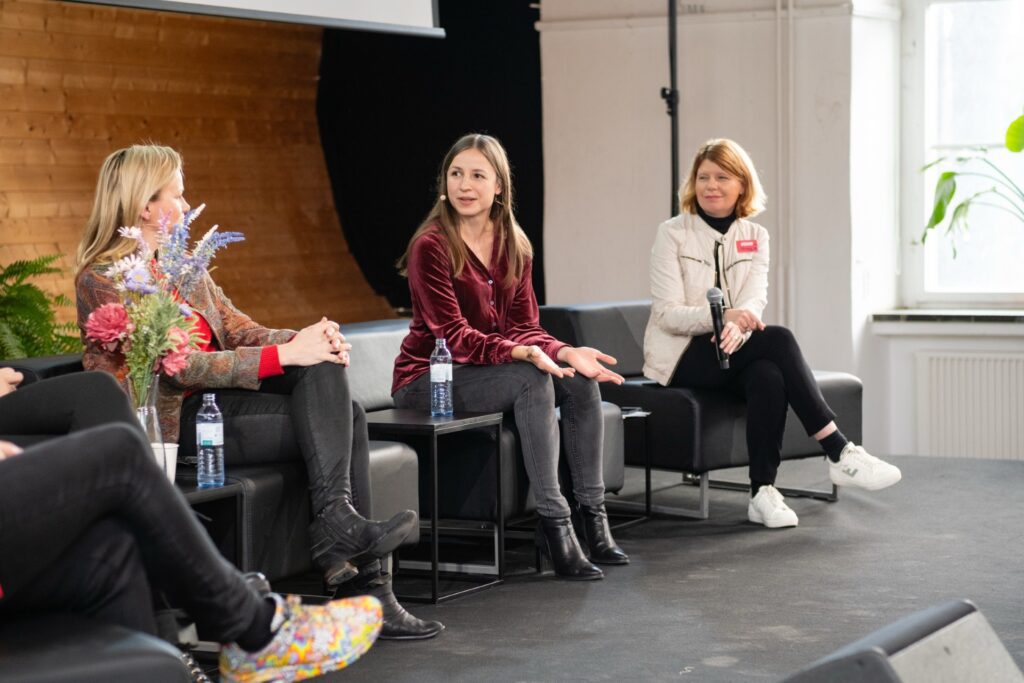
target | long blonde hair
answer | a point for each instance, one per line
(129, 179)
(511, 238)
(735, 161)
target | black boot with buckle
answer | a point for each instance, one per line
(342, 538)
(595, 535)
(398, 623)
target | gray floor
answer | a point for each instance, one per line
(725, 600)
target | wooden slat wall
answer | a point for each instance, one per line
(237, 98)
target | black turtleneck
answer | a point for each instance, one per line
(719, 224)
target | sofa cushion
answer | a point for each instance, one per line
(375, 345)
(617, 328)
(67, 648)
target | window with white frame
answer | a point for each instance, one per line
(963, 83)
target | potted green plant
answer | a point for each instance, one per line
(1004, 194)
(28, 323)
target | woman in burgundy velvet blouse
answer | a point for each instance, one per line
(469, 267)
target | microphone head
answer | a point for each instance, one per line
(715, 296)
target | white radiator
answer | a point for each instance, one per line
(970, 404)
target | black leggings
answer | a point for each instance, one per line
(89, 521)
(770, 373)
(58, 406)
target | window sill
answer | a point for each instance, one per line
(918, 322)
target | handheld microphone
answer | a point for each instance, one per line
(717, 321)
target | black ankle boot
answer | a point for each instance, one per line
(557, 541)
(341, 538)
(597, 536)
(398, 623)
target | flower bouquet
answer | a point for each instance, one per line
(153, 326)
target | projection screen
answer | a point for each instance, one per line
(417, 17)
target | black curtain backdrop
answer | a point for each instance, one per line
(390, 106)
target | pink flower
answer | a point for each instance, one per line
(175, 361)
(109, 325)
(180, 339)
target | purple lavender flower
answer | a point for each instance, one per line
(174, 257)
(192, 214)
(138, 279)
(186, 310)
(204, 251)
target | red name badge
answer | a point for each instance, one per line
(746, 246)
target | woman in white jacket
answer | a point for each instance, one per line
(713, 244)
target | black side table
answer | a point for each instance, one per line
(220, 510)
(398, 423)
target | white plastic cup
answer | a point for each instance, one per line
(170, 458)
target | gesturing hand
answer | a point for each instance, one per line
(587, 362)
(543, 362)
(321, 342)
(744, 319)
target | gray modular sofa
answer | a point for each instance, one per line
(690, 431)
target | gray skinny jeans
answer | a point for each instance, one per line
(533, 396)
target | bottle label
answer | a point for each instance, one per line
(210, 433)
(441, 372)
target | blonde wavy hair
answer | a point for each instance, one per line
(129, 179)
(511, 238)
(736, 162)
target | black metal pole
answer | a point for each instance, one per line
(671, 97)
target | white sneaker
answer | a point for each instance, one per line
(857, 467)
(768, 507)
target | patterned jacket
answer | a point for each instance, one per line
(236, 366)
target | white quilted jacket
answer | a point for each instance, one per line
(682, 271)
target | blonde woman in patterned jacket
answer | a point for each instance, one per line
(283, 393)
(712, 243)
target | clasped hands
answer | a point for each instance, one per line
(738, 321)
(581, 359)
(321, 342)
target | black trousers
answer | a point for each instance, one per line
(58, 406)
(770, 373)
(89, 523)
(306, 413)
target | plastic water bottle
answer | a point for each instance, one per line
(441, 380)
(210, 444)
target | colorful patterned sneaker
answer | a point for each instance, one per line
(856, 467)
(309, 640)
(768, 507)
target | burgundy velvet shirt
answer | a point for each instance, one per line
(480, 319)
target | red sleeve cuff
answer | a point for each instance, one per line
(270, 363)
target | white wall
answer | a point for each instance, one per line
(874, 165)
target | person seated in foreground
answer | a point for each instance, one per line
(91, 524)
